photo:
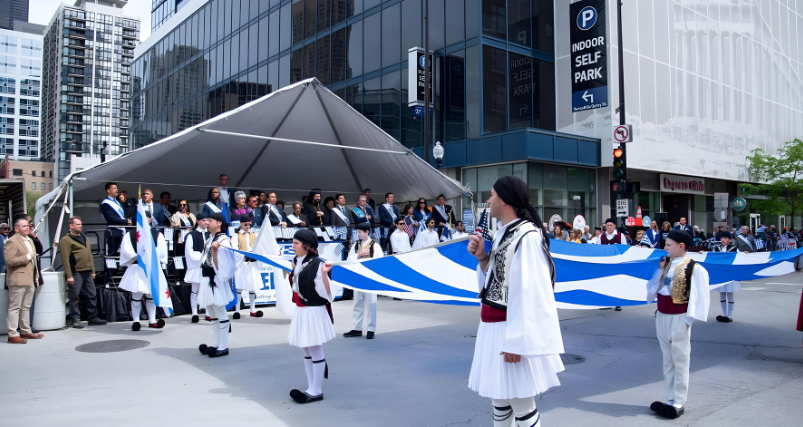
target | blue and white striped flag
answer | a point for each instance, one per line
(588, 276)
(148, 261)
(341, 232)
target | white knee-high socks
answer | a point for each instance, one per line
(136, 306)
(526, 415)
(220, 325)
(727, 307)
(315, 365)
(150, 307)
(194, 298)
(252, 300)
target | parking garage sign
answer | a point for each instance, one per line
(588, 55)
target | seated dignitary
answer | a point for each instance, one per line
(273, 213)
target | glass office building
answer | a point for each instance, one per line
(13, 10)
(494, 81)
(20, 92)
(88, 49)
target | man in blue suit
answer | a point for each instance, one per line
(164, 211)
(114, 215)
(387, 215)
(685, 227)
(363, 212)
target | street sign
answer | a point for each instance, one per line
(623, 133)
(417, 110)
(588, 55)
(622, 208)
(631, 222)
(738, 204)
(416, 61)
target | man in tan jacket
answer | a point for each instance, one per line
(21, 277)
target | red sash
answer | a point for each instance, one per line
(490, 314)
(666, 306)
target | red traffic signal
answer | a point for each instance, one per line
(617, 153)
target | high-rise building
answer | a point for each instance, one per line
(12, 10)
(88, 48)
(705, 83)
(20, 89)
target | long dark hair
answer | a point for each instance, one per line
(417, 205)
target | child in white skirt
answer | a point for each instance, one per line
(726, 291)
(312, 323)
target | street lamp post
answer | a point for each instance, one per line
(427, 64)
(437, 152)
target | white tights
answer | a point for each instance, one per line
(252, 298)
(315, 365)
(194, 298)
(727, 307)
(136, 306)
(220, 325)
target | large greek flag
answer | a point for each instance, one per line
(588, 276)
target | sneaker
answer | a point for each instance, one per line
(77, 324)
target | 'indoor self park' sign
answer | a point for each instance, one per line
(588, 55)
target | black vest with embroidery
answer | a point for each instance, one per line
(207, 267)
(197, 240)
(306, 281)
(495, 293)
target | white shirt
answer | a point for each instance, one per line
(425, 239)
(459, 234)
(400, 242)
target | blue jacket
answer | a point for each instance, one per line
(111, 217)
(385, 219)
(685, 228)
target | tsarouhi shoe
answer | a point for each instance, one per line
(257, 314)
(208, 319)
(158, 325)
(370, 335)
(194, 318)
(204, 349)
(236, 315)
(218, 353)
(135, 327)
(302, 397)
(722, 319)
(353, 333)
(667, 411)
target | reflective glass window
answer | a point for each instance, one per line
(544, 83)
(298, 21)
(354, 50)
(371, 98)
(473, 92)
(253, 10)
(454, 96)
(472, 18)
(230, 11)
(309, 60)
(543, 25)
(411, 22)
(354, 96)
(436, 24)
(253, 44)
(310, 12)
(297, 66)
(244, 51)
(264, 6)
(234, 55)
(410, 124)
(455, 22)
(338, 58)
(391, 35)
(521, 83)
(223, 13)
(391, 103)
(273, 76)
(373, 42)
(493, 18)
(286, 28)
(273, 37)
(324, 11)
(518, 22)
(323, 63)
(494, 108)
(264, 46)
(370, 4)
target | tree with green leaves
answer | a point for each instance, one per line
(780, 178)
(30, 199)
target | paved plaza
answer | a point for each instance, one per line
(749, 372)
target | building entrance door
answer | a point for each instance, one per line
(676, 206)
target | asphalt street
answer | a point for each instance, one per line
(415, 373)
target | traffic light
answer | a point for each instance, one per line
(619, 166)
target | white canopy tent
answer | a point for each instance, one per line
(290, 141)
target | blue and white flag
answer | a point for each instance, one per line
(588, 276)
(148, 261)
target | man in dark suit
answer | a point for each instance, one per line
(685, 227)
(272, 212)
(114, 214)
(442, 214)
(387, 216)
(363, 212)
(165, 210)
(340, 214)
(745, 242)
(369, 200)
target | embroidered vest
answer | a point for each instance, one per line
(617, 238)
(494, 294)
(681, 283)
(242, 243)
(208, 265)
(305, 287)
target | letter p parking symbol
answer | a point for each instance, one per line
(587, 18)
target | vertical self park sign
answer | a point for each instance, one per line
(588, 55)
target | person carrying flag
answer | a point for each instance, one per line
(518, 345)
(217, 269)
(135, 280)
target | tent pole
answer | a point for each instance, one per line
(72, 197)
(58, 229)
(42, 219)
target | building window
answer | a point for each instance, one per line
(33, 186)
(43, 186)
(33, 173)
(17, 172)
(43, 175)
(51, 186)
(51, 174)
